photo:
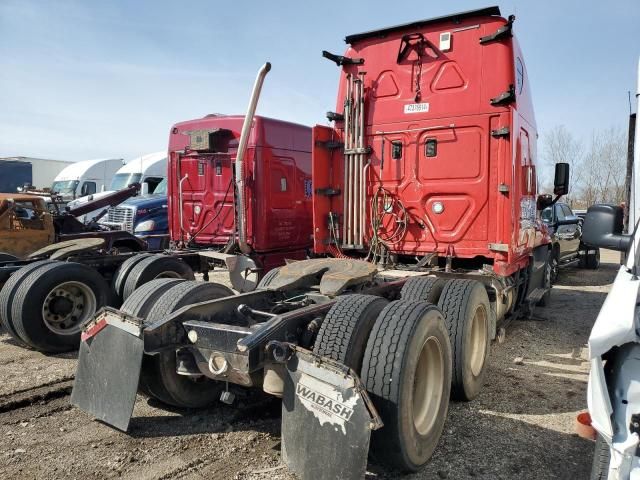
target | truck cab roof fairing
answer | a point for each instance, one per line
(483, 12)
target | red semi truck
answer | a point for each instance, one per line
(426, 214)
(204, 209)
(276, 214)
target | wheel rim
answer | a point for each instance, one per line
(168, 274)
(67, 306)
(478, 340)
(427, 385)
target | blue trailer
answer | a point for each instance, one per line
(14, 174)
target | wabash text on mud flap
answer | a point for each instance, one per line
(325, 404)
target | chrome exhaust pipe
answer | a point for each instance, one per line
(242, 148)
(361, 166)
(182, 180)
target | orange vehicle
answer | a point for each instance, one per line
(25, 225)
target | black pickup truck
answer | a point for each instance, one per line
(566, 232)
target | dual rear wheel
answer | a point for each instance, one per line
(412, 355)
(142, 268)
(467, 315)
(44, 304)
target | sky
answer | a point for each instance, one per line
(88, 79)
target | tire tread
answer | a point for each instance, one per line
(427, 289)
(50, 342)
(344, 326)
(8, 292)
(381, 373)
(454, 303)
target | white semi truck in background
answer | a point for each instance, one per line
(613, 393)
(85, 177)
(148, 170)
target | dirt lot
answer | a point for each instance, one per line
(520, 427)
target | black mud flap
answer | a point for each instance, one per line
(327, 418)
(108, 371)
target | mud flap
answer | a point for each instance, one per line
(243, 271)
(108, 371)
(327, 418)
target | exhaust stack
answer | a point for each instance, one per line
(242, 147)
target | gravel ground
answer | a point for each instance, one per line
(521, 426)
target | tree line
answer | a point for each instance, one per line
(597, 166)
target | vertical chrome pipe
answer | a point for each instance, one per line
(360, 162)
(347, 136)
(180, 208)
(354, 165)
(350, 160)
(363, 180)
(242, 148)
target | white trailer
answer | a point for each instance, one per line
(43, 171)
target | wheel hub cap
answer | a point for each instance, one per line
(67, 306)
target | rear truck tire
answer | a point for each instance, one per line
(158, 377)
(601, 459)
(345, 330)
(52, 303)
(546, 298)
(142, 300)
(7, 257)
(155, 266)
(266, 279)
(123, 271)
(465, 305)
(8, 291)
(407, 370)
(427, 289)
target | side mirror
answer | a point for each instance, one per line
(603, 226)
(561, 179)
(144, 190)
